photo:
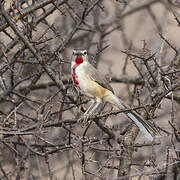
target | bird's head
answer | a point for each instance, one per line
(79, 56)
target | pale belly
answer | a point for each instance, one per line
(84, 86)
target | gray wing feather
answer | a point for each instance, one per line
(99, 78)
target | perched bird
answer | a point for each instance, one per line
(94, 85)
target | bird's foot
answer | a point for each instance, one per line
(84, 120)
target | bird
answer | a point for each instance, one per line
(91, 83)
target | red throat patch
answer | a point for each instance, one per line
(79, 60)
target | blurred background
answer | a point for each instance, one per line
(134, 43)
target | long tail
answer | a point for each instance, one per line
(145, 126)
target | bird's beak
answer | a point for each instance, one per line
(79, 54)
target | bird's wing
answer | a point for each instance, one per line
(96, 76)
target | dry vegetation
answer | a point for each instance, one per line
(135, 43)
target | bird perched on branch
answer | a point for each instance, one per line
(94, 85)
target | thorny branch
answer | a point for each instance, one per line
(39, 109)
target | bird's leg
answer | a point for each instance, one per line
(82, 119)
(94, 107)
(90, 110)
(90, 107)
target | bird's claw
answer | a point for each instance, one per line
(84, 120)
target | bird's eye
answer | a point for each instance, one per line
(74, 53)
(85, 53)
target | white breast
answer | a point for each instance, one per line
(83, 78)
